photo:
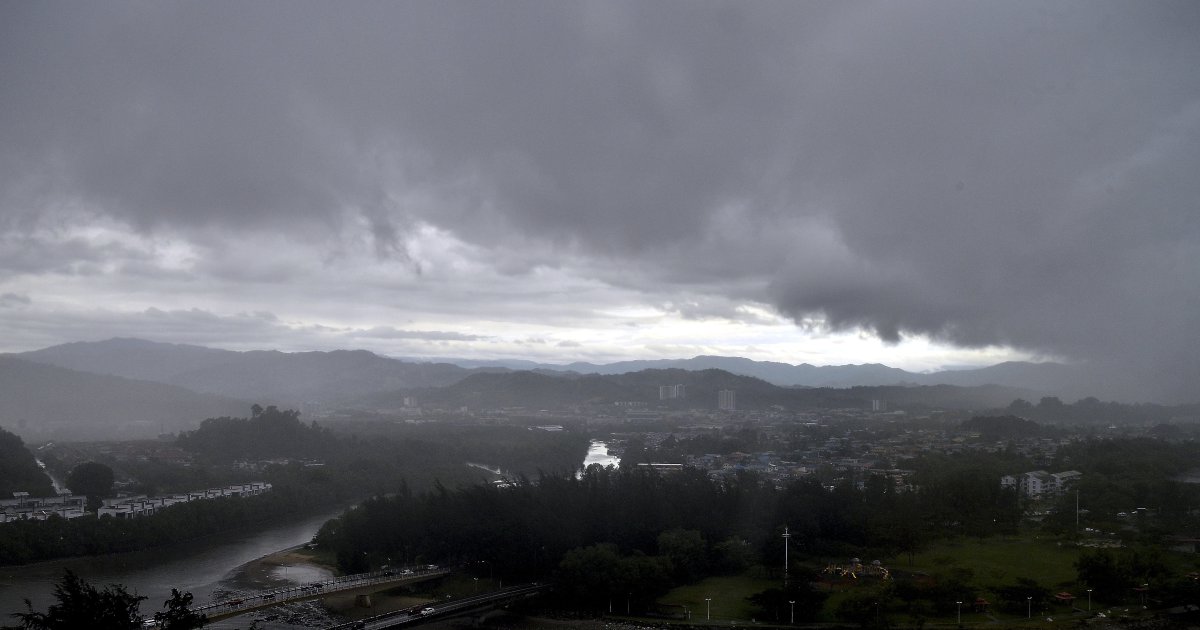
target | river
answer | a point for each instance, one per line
(598, 454)
(202, 568)
(199, 568)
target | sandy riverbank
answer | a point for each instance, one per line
(294, 565)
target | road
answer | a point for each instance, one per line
(443, 610)
(378, 580)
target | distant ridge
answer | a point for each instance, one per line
(296, 379)
(1046, 378)
(49, 402)
(291, 379)
(536, 390)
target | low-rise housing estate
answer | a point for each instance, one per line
(130, 507)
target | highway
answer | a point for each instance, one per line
(442, 610)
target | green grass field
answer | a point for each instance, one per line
(728, 595)
(997, 561)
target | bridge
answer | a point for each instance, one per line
(476, 604)
(365, 582)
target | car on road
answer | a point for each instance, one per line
(427, 611)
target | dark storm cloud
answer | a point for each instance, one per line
(986, 173)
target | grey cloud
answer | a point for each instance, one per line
(20, 254)
(12, 300)
(1005, 173)
(386, 332)
(41, 327)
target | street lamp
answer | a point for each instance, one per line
(708, 608)
(1029, 607)
(1089, 600)
(786, 537)
(792, 603)
(959, 613)
(476, 585)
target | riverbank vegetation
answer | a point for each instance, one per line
(19, 471)
(311, 468)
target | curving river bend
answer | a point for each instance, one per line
(200, 568)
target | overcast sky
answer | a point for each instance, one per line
(921, 184)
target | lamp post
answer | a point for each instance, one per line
(786, 537)
(1089, 600)
(792, 604)
(476, 585)
(707, 608)
(959, 613)
(1029, 607)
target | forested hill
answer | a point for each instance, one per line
(19, 471)
(290, 379)
(540, 390)
(46, 402)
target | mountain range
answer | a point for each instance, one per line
(139, 386)
(344, 375)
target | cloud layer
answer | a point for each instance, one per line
(1010, 175)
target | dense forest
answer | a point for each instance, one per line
(19, 471)
(660, 529)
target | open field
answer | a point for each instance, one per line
(728, 595)
(996, 561)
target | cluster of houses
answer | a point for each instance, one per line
(130, 507)
(1040, 483)
(23, 507)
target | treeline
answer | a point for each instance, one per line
(19, 471)
(516, 448)
(266, 434)
(328, 469)
(1092, 411)
(531, 529)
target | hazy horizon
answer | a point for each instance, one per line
(919, 184)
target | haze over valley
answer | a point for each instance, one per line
(599, 313)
